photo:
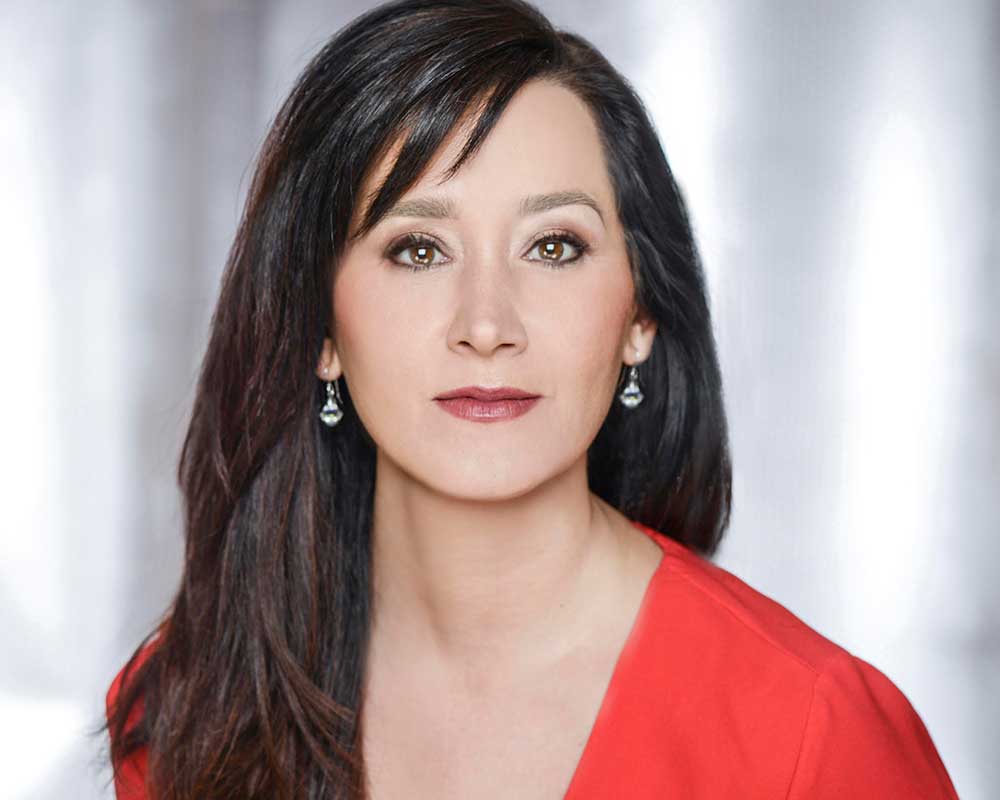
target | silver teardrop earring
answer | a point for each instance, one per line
(331, 413)
(631, 395)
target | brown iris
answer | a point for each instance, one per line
(421, 254)
(552, 250)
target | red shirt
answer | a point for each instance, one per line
(720, 692)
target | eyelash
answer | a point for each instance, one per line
(418, 239)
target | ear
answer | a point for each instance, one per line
(328, 368)
(639, 339)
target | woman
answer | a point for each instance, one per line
(458, 457)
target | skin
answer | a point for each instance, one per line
(498, 574)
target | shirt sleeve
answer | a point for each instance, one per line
(863, 738)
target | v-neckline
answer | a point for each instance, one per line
(624, 665)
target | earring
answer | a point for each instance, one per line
(331, 413)
(631, 395)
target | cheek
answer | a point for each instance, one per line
(378, 342)
(369, 327)
(591, 323)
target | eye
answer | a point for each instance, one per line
(553, 248)
(418, 246)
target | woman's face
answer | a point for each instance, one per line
(502, 296)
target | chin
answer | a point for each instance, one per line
(493, 482)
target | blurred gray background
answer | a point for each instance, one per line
(841, 164)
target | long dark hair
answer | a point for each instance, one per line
(253, 688)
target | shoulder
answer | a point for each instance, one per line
(129, 766)
(736, 615)
(125, 675)
(827, 720)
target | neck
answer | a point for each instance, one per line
(491, 587)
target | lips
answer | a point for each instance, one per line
(476, 410)
(487, 394)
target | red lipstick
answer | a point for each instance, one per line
(481, 404)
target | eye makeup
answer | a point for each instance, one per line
(416, 239)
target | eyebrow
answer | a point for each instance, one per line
(433, 208)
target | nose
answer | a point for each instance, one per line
(486, 318)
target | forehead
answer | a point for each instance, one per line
(545, 140)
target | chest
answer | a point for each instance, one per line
(525, 744)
